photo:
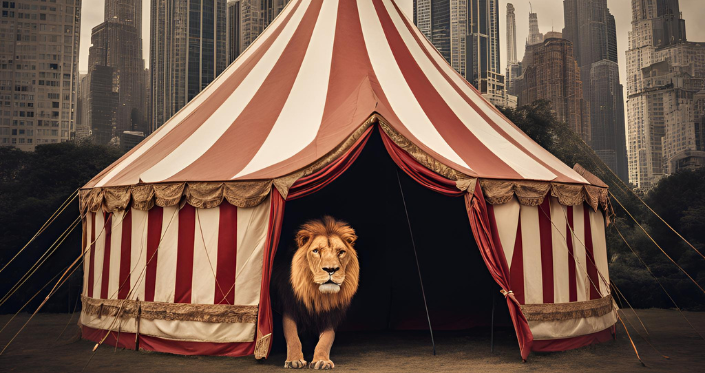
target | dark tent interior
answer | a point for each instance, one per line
(459, 289)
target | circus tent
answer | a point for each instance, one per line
(180, 233)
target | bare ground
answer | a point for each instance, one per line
(37, 349)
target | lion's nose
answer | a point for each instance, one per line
(331, 270)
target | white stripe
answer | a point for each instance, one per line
(166, 257)
(531, 248)
(252, 227)
(495, 142)
(520, 137)
(507, 219)
(599, 248)
(300, 119)
(99, 252)
(205, 254)
(88, 252)
(561, 256)
(583, 282)
(194, 104)
(205, 136)
(400, 96)
(115, 250)
(138, 254)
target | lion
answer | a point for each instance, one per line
(315, 291)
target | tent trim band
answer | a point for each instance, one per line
(251, 193)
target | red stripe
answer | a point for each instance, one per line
(170, 346)
(184, 254)
(591, 269)
(105, 279)
(516, 272)
(227, 255)
(248, 132)
(200, 114)
(473, 151)
(154, 235)
(125, 256)
(546, 249)
(572, 279)
(91, 260)
(476, 108)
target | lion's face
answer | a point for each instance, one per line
(325, 269)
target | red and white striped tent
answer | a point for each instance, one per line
(180, 233)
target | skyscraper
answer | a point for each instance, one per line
(535, 36)
(551, 73)
(117, 49)
(664, 73)
(187, 51)
(513, 66)
(39, 44)
(234, 32)
(591, 27)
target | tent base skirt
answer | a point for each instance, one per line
(555, 345)
(127, 340)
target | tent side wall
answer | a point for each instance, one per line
(188, 280)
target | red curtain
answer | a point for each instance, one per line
(264, 318)
(485, 235)
(316, 181)
(491, 250)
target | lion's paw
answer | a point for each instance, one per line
(322, 365)
(295, 364)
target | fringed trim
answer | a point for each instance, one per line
(568, 311)
(532, 193)
(213, 313)
(262, 346)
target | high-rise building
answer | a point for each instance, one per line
(117, 46)
(664, 73)
(591, 27)
(39, 43)
(466, 33)
(551, 73)
(511, 35)
(234, 33)
(513, 66)
(187, 51)
(535, 36)
(82, 128)
(252, 17)
(125, 12)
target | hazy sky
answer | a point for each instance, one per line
(550, 14)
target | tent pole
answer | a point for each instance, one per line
(418, 267)
(492, 325)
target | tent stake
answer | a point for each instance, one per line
(418, 267)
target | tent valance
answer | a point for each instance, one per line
(251, 193)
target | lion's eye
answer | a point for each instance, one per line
(315, 251)
(341, 253)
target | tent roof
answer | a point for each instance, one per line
(313, 77)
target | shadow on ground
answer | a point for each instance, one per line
(37, 349)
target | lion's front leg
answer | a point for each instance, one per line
(321, 356)
(294, 356)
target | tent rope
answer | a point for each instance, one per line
(619, 293)
(657, 245)
(44, 226)
(418, 267)
(657, 281)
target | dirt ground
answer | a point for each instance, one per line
(37, 349)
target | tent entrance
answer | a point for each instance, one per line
(459, 288)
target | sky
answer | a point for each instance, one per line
(550, 15)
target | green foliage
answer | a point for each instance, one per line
(679, 199)
(32, 186)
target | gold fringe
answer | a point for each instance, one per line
(262, 346)
(533, 193)
(213, 313)
(568, 311)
